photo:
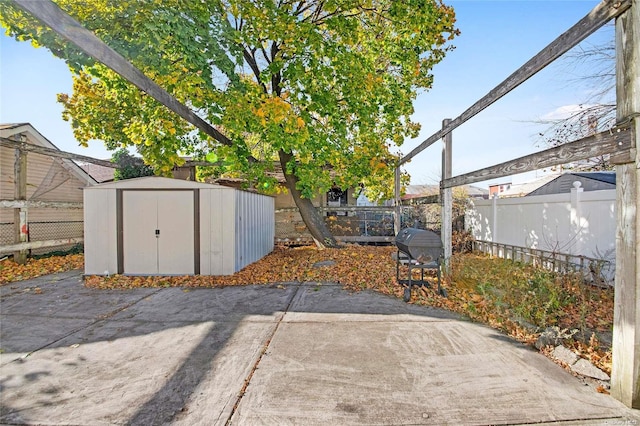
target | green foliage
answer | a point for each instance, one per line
(331, 82)
(129, 166)
(76, 249)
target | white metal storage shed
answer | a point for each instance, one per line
(162, 226)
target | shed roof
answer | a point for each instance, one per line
(156, 182)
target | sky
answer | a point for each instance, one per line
(497, 37)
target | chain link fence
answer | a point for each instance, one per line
(362, 224)
(43, 231)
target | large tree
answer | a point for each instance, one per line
(325, 87)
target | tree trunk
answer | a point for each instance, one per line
(316, 226)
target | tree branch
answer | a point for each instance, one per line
(251, 60)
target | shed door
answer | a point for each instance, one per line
(158, 232)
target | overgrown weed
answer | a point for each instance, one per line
(524, 300)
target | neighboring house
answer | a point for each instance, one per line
(499, 188)
(589, 181)
(522, 189)
(561, 183)
(47, 179)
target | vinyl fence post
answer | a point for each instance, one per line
(494, 218)
(576, 217)
(625, 373)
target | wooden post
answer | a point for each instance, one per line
(397, 218)
(625, 374)
(446, 198)
(20, 214)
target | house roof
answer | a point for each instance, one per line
(6, 126)
(608, 177)
(101, 174)
(522, 189)
(533, 187)
(35, 137)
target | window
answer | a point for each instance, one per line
(336, 197)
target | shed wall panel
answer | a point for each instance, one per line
(176, 224)
(100, 242)
(255, 224)
(217, 233)
(205, 232)
(139, 221)
(226, 214)
(158, 232)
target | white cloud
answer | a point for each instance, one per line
(565, 111)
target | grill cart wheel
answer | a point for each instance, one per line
(407, 294)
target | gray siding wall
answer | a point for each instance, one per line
(564, 183)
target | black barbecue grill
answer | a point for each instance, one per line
(418, 249)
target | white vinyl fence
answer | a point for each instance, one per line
(578, 223)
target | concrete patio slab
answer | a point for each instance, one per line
(286, 354)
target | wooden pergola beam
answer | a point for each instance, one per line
(619, 142)
(39, 244)
(29, 204)
(37, 149)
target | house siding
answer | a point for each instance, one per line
(44, 223)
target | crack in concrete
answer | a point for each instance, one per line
(265, 347)
(100, 318)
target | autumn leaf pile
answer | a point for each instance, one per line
(355, 267)
(11, 271)
(516, 298)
